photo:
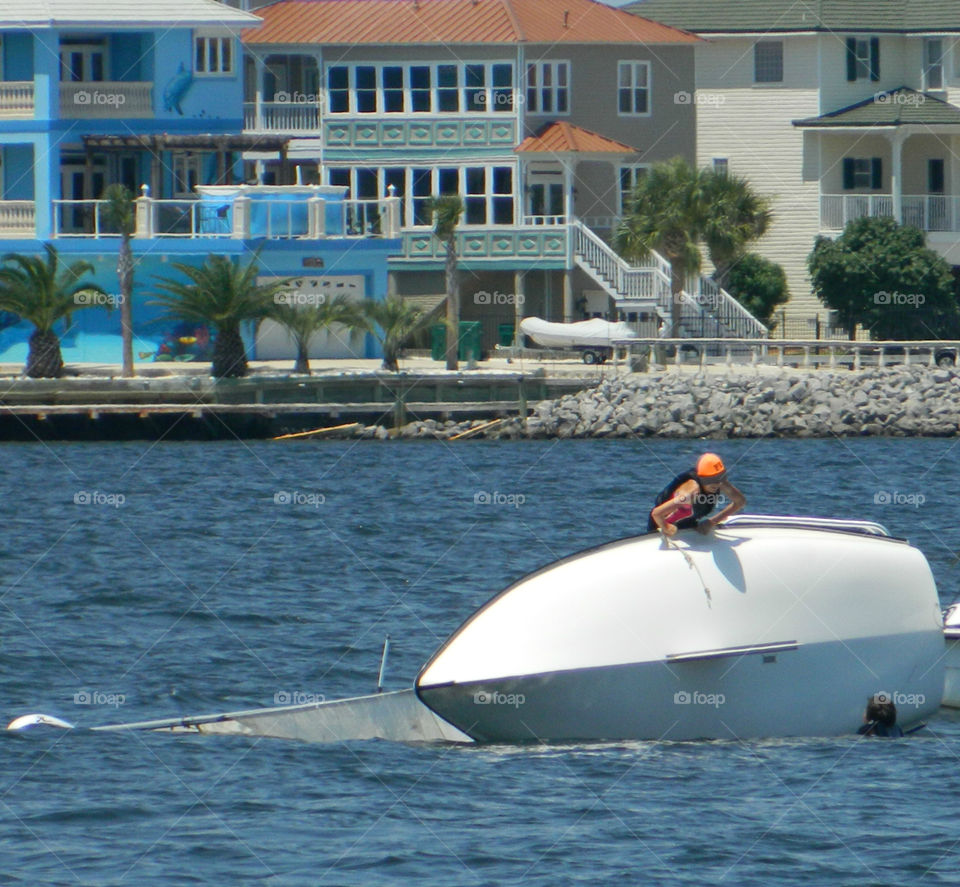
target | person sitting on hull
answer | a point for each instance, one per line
(880, 718)
(687, 500)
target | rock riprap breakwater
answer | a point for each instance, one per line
(892, 401)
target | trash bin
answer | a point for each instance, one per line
(505, 334)
(471, 339)
(438, 342)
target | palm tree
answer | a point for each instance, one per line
(120, 212)
(736, 216)
(38, 291)
(303, 321)
(667, 213)
(447, 210)
(223, 295)
(392, 321)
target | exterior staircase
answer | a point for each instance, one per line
(706, 309)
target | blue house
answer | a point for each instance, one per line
(94, 93)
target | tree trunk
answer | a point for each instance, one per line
(303, 360)
(453, 304)
(390, 359)
(229, 354)
(125, 275)
(677, 283)
(44, 360)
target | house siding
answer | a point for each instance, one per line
(751, 126)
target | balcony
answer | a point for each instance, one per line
(16, 99)
(282, 117)
(18, 219)
(239, 213)
(105, 99)
(928, 212)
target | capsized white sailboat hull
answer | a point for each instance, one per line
(762, 629)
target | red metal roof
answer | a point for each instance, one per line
(455, 21)
(562, 138)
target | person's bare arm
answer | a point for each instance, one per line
(684, 496)
(736, 503)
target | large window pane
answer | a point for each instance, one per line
(502, 93)
(448, 95)
(420, 82)
(448, 181)
(366, 79)
(393, 90)
(338, 89)
(475, 92)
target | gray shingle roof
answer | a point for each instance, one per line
(724, 16)
(121, 13)
(896, 107)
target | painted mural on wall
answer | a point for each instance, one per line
(176, 89)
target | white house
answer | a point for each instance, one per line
(834, 109)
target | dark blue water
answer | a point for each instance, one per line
(198, 592)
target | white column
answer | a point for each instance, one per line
(568, 188)
(896, 175)
(259, 69)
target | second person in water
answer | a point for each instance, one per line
(687, 500)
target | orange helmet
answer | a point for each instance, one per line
(710, 468)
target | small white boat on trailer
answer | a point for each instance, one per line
(770, 626)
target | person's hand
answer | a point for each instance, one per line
(705, 526)
(669, 530)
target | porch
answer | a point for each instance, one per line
(928, 212)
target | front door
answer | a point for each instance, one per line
(82, 62)
(545, 195)
(78, 182)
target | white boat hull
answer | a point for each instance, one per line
(756, 631)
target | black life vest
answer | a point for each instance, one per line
(702, 505)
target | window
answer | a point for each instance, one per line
(630, 177)
(475, 211)
(862, 172)
(502, 195)
(82, 62)
(634, 88)
(187, 172)
(548, 88)
(768, 61)
(933, 64)
(212, 55)
(420, 81)
(863, 59)
(366, 89)
(338, 89)
(448, 91)
(393, 90)
(721, 166)
(422, 190)
(501, 92)
(475, 93)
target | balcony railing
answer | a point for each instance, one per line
(237, 217)
(18, 218)
(85, 100)
(16, 99)
(928, 212)
(282, 117)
